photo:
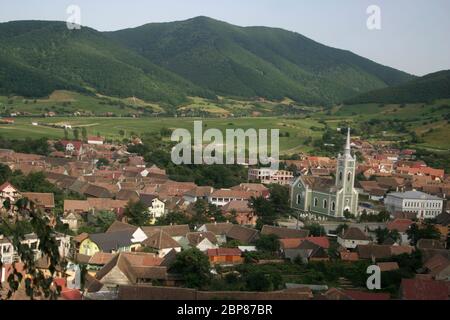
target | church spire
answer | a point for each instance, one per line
(347, 145)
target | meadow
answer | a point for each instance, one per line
(296, 123)
(293, 132)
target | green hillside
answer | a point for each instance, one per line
(257, 61)
(168, 62)
(38, 57)
(425, 89)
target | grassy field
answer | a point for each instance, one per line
(66, 103)
(294, 131)
(427, 120)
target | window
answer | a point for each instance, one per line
(299, 198)
(325, 204)
(333, 206)
(349, 177)
(340, 176)
(316, 202)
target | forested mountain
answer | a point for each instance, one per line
(425, 89)
(37, 57)
(166, 62)
(257, 61)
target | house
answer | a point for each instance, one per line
(6, 121)
(222, 197)
(95, 140)
(430, 244)
(155, 207)
(402, 226)
(271, 176)
(225, 256)
(421, 204)
(349, 256)
(438, 267)
(341, 294)
(307, 251)
(161, 242)
(7, 254)
(44, 201)
(127, 268)
(259, 188)
(423, 289)
(9, 192)
(327, 196)
(112, 242)
(284, 233)
(72, 220)
(242, 234)
(198, 193)
(72, 146)
(293, 243)
(202, 240)
(127, 195)
(388, 266)
(377, 252)
(241, 212)
(220, 230)
(353, 237)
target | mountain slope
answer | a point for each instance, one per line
(37, 57)
(257, 61)
(427, 88)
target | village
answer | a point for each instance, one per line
(128, 231)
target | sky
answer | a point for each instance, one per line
(414, 35)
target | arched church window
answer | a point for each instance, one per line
(340, 176)
(299, 198)
(325, 204)
(349, 177)
(316, 202)
(333, 206)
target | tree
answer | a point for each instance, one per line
(5, 173)
(316, 230)
(264, 210)
(269, 243)
(76, 134)
(36, 284)
(194, 266)
(260, 281)
(383, 234)
(137, 213)
(102, 162)
(105, 219)
(341, 227)
(415, 233)
(84, 133)
(279, 198)
(59, 146)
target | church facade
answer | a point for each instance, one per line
(328, 196)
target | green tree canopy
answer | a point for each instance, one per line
(137, 213)
(194, 266)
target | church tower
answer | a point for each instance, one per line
(346, 195)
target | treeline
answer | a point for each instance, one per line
(32, 146)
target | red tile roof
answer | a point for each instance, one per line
(362, 295)
(422, 289)
(401, 225)
(224, 252)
